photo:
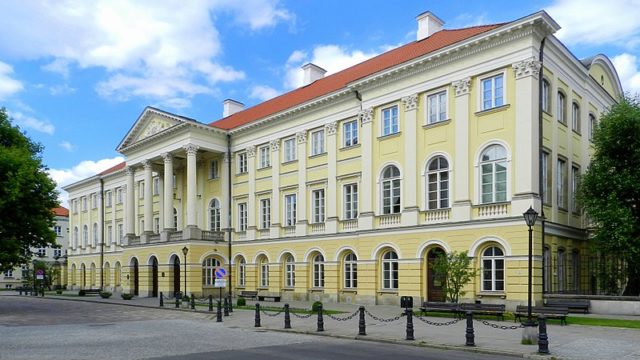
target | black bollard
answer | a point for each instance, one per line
(543, 338)
(210, 303)
(161, 300)
(361, 324)
(470, 336)
(20, 290)
(257, 324)
(287, 317)
(42, 292)
(226, 306)
(230, 303)
(320, 320)
(177, 303)
(193, 302)
(219, 312)
(409, 325)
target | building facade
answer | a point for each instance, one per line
(348, 188)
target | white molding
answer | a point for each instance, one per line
(473, 249)
(434, 242)
(376, 252)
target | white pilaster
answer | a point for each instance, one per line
(224, 200)
(148, 196)
(101, 234)
(251, 209)
(461, 207)
(275, 181)
(410, 188)
(130, 203)
(168, 191)
(331, 225)
(191, 150)
(301, 213)
(366, 191)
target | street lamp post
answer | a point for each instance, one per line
(530, 217)
(185, 250)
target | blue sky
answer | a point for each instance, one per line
(75, 75)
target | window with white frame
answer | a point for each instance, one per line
(575, 179)
(493, 269)
(289, 149)
(318, 271)
(242, 163)
(119, 195)
(94, 237)
(575, 117)
(41, 252)
(85, 236)
(493, 174)
(561, 108)
(84, 203)
(141, 226)
(175, 218)
(264, 272)
(8, 273)
(317, 197)
(265, 213)
(141, 190)
(390, 190)
(242, 217)
(350, 201)
(209, 266)
(58, 230)
(289, 272)
(214, 215)
(545, 168)
(546, 96)
(75, 237)
(317, 142)
(592, 126)
(213, 169)
(561, 272)
(492, 92)
(350, 133)
(390, 122)
(156, 186)
(437, 107)
(242, 272)
(75, 206)
(575, 265)
(120, 233)
(290, 203)
(438, 183)
(561, 181)
(109, 235)
(350, 271)
(94, 201)
(390, 270)
(57, 253)
(156, 225)
(265, 157)
(107, 195)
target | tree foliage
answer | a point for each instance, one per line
(455, 271)
(609, 191)
(27, 197)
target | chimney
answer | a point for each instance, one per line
(231, 107)
(428, 24)
(312, 73)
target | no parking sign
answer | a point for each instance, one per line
(221, 277)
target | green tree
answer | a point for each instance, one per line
(609, 192)
(454, 269)
(27, 197)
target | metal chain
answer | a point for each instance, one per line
(272, 314)
(343, 318)
(381, 319)
(501, 327)
(302, 316)
(424, 320)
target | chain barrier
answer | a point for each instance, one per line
(434, 323)
(336, 318)
(381, 319)
(271, 314)
(501, 327)
(302, 316)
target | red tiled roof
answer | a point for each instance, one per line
(61, 211)
(113, 168)
(342, 78)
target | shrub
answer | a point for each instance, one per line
(186, 299)
(241, 301)
(316, 305)
(82, 293)
(59, 291)
(105, 294)
(127, 296)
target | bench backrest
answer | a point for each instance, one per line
(249, 293)
(568, 302)
(543, 309)
(439, 305)
(472, 306)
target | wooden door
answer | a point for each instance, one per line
(434, 283)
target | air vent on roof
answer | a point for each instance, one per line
(428, 24)
(312, 72)
(231, 107)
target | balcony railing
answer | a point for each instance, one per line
(264, 233)
(290, 231)
(389, 220)
(175, 236)
(493, 210)
(154, 238)
(212, 235)
(437, 215)
(350, 225)
(317, 228)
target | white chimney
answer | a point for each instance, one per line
(312, 73)
(231, 107)
(428, 24)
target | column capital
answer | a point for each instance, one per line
(331, 127)
(191, 149)
(529, 67)
(410, 102)
(366, 115)
(251, 151)
(302, 137)
(129, 171)
(462, 87)
(147, 164)
(275, 144)
(167, 157)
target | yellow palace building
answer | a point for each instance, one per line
(345, 189)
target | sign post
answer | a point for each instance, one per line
(220, 280)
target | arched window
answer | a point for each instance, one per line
(575, 117)
(208, 270)
(390, 270)
(289, 272)
(561, 108)
(85, 236)
(438, 183)
(350, 271)
(94, 240)
(546, 96)
(107, 274)
(214, 215)
(493, 174)
(73, 274)
(242, 271)
(493, 269)
(390, 190)
(592, 125)
(175, 219)
(75, 237)
(264, 272)
(117, 273)
(318, 271)
(92, 274)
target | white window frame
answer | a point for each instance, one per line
(265, 213)
(120, 233)
(107, 195)
(94, 201)
(317, 275)
(289, 272)
(350, 195)
(156, 186)
(242, 272)
(214, 215)
(436, 177)
(120, 197)
(546, 92)
(94, 234)
(390, 270)
(389, 123)
(242, 216)
(85, 236)
(575, 117)
(213, 169)
(493, 101)
(544, 168)
(392, 186)
(494, 171)
(318, 206)
(264, 273)
(561, 107)
(289, 150)
(493, 259)
(209, 266)
(58, 230)
(243, 167)
(439, 114)
(561, 173)
(265, 156)
(42, 252)
(350, 271)
(317, 142)
(84, 203)
(156, 225)
(290, 209)
(110, 234)
(57, 253)
(575, 179)
(593, 122)
(141, 189)
(350, 133)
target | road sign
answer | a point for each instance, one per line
(220, 283)
(39, 274)
(221, 273)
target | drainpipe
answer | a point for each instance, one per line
(102, 235)
(540, 122)
(230, 284)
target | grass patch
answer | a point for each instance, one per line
(621, 323)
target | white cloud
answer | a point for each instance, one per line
(58, 66)
(628, 68)
(332, 58)
(29, 122)
(67, 146)
(83, 170)
(8, 85)
(262, 92)
(257, 13)
(63, 89)
(596, 22)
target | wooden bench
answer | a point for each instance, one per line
(554, 312)
(248, 294)
(439, 306)
(92, 291)
(276, 298)
(574, 305)
(484, 309)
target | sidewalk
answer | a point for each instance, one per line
(565, 342)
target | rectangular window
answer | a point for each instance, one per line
(57, 253)
(156, 186)
(120, 233)
(592, 126)
(75, 206)
(264, 274)
(109, 235)
(575, 178)
(57, 230)
(141, 190)
(119, 195)
(546, 99)
(317, 142)
(350, 201)
(8, 274)
(290, 209)
(94, 201)
(242, 217)
(492, 92)
(561, 108)
(42, 252)
(289, 149)
(350, 133)
(317, 197)
(575, 117)
(561, 181)
(390, 121)
(84, 203)
(437, 107)
(265, 213)
(242, 163)
(107, 195)
(156, 225)
(213, 169)
(241, 273)
(265, 157)
(545, 167)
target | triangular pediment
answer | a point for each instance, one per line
(150, 123)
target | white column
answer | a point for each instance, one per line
(275, 181)
(331, 192)
(191, 150)
(130, 203)
(366, 192)
(461, 207)
(224, 187)
(409, 188)
(148, 196)
(301, 207)
(168, 191)
(251, 205)
(101, 234)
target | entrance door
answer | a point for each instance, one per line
(154, 277)
(434, 283)
(176, 275)
(135, 277)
